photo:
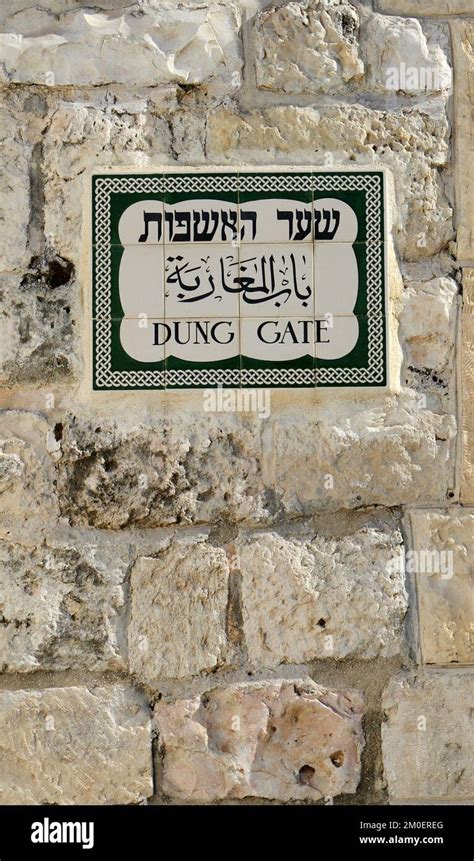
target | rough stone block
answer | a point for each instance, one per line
(467, 385)
(463, 54)
(439, 8)
(443, 544)
(427, 331)
(401, 57)
(75, 746)
(394, 453)
(286, 740)
(82, 137)
(192, 470)
(38, 345)
(412, 143)
(60, 607)
(427, 737)
(308, 47)
(136, 44)
(308, 596)
(178, 611)
(27, 492)
(15, 158)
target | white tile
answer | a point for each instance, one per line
(335, 221)
(277, 339)
(336, 278)
(199, 281)
(139, 339)
(142, 223)
(274, 219)
(276, 280)
(141, 281)
(201, 339)
(339, 336)
(202, 220)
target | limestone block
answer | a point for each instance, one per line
(38, 312)
(308, 47)
(178, 611)
(411, 143)
(286, 740)
(427, 323)
(467, 387)
(308, 596)
(15, 157)
(75, 745)
(463, 54)
(427, 737)
(192, 470)
(396, 453)
(136, 44)
(439, 8)
(61, 607)
(80, 138)
(27, 492)
(400, 58)
(427, 330)
(443, 545)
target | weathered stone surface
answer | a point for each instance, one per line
(38, 321)
(308, 47)
(307, 596)
(60, 607)
(463, 54)
(427, 737)
(135, 44)
(286, 740)
(27, 491)
(178, 611)
(399, 57)
(427, 331)
(82, 137)
(393, 453)
(444, 547)
(75, 746)
(15, 156)
(411, 143)
(467, 384)
(426, 7)
(194, 470)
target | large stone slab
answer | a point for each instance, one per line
(467, 385)
(286, 740)
(394, 453)
(308, 596)
(27, 491)
(307, 47)
(15, 159)
(39, 309)
(75, 746)
(439, 8)
(136, 44)
(443, 545)
(412, 143)
(427, 737)
(463, 54)
(178, 611)
(194, 469)
(81, 137)
(61, 606)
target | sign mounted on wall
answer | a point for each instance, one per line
(248, 278)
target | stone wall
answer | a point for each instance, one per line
(203, 606)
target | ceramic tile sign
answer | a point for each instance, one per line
(259, 278)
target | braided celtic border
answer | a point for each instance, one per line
(104, 186)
